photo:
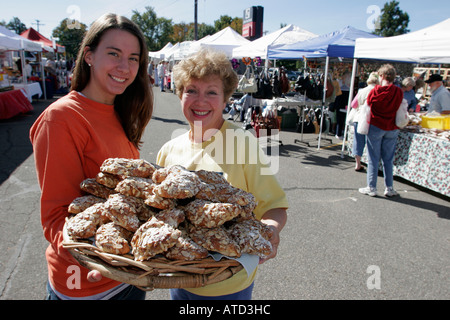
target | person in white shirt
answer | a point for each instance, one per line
(440, 96)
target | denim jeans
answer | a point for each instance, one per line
(181, 294)
(130, 293)
(359, 142)
(381, 145)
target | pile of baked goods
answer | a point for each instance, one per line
(133, 206)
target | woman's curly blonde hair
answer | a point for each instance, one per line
(205, 63)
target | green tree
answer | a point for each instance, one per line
(70, 34)
(157, 31)
(392, 21)
(16, 25)
(203, 31)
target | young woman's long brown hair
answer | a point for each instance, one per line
(135, 105)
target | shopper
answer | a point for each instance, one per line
(359, 140)
(384, 101)
(205, 82)
(104, 116)
(409, 94)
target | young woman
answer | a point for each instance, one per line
(104, 116)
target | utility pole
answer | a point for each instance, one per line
(195, 20)
(38, 24)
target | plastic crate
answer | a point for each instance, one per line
(436, 122)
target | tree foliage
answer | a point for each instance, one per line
(15, 25)
(393, 21)
(157, 31)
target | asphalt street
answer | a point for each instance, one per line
(337, 244)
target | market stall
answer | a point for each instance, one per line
(338, 44)
(421, 157)
(15, 90)
(423, 148)
(225, 40)
(260, 47)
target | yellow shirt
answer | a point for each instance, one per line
(235, 153)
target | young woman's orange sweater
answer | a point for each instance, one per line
(71, 139)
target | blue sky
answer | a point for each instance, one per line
(319, 16)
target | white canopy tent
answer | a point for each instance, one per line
(225, 40)
(11, 41)
(161, 53)
(179, 51)
(260, 47)
(428, 45)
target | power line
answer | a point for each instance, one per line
(38, 23)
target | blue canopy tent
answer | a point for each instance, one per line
(337, 44)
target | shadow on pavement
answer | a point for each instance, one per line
(15, 146)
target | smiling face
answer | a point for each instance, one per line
(203, 102)
(114, 65)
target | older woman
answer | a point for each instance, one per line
(359, 141)
(409, 94)
(384, 101)
(205, 82)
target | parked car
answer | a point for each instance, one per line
(292, 75)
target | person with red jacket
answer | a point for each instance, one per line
(384, 101)
(104, 116)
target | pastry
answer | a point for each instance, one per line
(128, 167)
(172, 217)
(152, 238)
(215, 239)
(91, 186)
(252, 236)
(111, 238)
(82, 203)
(124, 211)
(85, 224)
(186, 249)
(135, 186)
(158, 202)
(207, 214)
(107, 179)
(225, 192)
(179, 183)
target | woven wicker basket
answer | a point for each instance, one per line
(155, 273)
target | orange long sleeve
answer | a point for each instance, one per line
(71, 139)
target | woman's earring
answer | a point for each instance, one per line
(89, 65)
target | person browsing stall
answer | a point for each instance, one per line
(440, 96)
(205, 82)
(103, 116)
(384, 101)
(409, 94)
(359, 140)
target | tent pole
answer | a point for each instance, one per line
(323, 98)
(41, 64)
(349, 105)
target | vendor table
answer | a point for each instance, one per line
(12, 103)
(420, 159)
(30, 89)
(301, 103)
